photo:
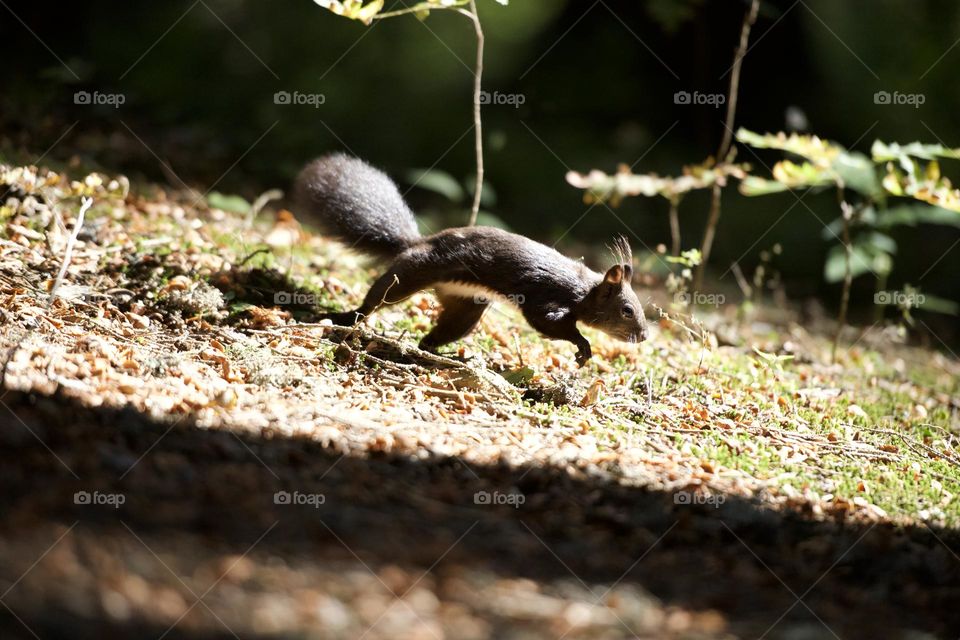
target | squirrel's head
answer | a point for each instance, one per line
(612, 306)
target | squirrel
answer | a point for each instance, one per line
(467, 267)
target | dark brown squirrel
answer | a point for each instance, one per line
(468, 267)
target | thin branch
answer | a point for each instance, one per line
(409, 10)
(477, 128)
(734, 90)
(714, 218)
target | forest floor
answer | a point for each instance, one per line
(185, 452)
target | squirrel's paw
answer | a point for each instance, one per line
(342, 319)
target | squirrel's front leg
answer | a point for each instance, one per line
(583, 350)
(558, 323)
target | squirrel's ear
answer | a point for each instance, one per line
(628, 272)
(614, 274)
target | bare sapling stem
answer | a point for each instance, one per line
(714, 217)
(474, 17)
(477, 126)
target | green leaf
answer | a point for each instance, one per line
(858, 173)
(882, 263)
(872, 252)
(757, 186)
(875, 240)
(806, 174)
(834, 269)
(519, 376)
(438, 182)
(231, 203)
(826, 163)
(771, 359)
(937, 304)
(814, 149)
(913, 214)
(689, 258)
(923, 183)
(883, 152)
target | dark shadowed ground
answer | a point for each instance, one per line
(400, 549)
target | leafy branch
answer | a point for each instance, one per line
(601, 187)
(892, 170)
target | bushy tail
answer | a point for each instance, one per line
(356, 204)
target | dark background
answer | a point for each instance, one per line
(598, 80)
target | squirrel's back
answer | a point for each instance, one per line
(356, 204)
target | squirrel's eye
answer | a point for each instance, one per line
(627, 311)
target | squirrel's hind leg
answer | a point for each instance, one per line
(396, 285)
(458, 317)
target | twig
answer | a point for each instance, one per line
(516, 345)
(914, 444)
(745, 287)
(477, 128)
(86, 203)
(722, 153)
(492, 379)
(260, 203)
(252, 255)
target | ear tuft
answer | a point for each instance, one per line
(621, 250)
(624, 257)
(614, 275)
